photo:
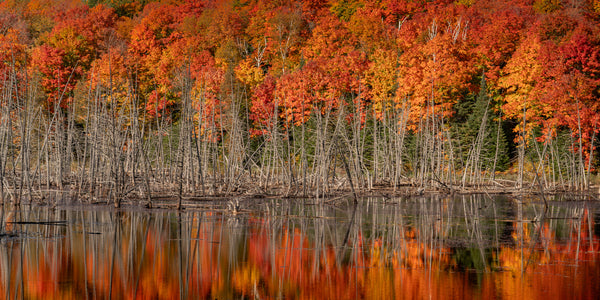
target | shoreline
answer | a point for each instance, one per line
(162, 196)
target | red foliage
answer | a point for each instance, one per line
(263, 106)
(57, 79)
(436, 69)
(298, 58)
(69, 49)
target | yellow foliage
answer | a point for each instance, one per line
(246, 278)
(249, 73)
(547, 6)
(381, 76)
(596, 6)
(464, 2)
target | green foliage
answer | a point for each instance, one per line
(472, 259)
(475, 112)
(547, 6)
(464, 2)
(123, 8)
(552, 151)
(344, 9)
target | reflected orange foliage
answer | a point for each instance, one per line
(157, 263)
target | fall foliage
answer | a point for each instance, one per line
(430, 53)
(264, 67)
(203, 254)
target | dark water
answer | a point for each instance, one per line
(465, 247)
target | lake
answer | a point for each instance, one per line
(435, 247)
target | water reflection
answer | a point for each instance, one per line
(467, 247)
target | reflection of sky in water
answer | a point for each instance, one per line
(465, 247)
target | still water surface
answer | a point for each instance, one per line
(462, 247)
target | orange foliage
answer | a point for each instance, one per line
(68, 50)
(435, 73)
(552, 79)
(540, 58)
(288, 262)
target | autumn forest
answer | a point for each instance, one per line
(115, 100)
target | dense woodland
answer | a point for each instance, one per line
(120, 99)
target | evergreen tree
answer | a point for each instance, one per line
(477, 116)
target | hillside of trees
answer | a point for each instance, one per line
(118, 99)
